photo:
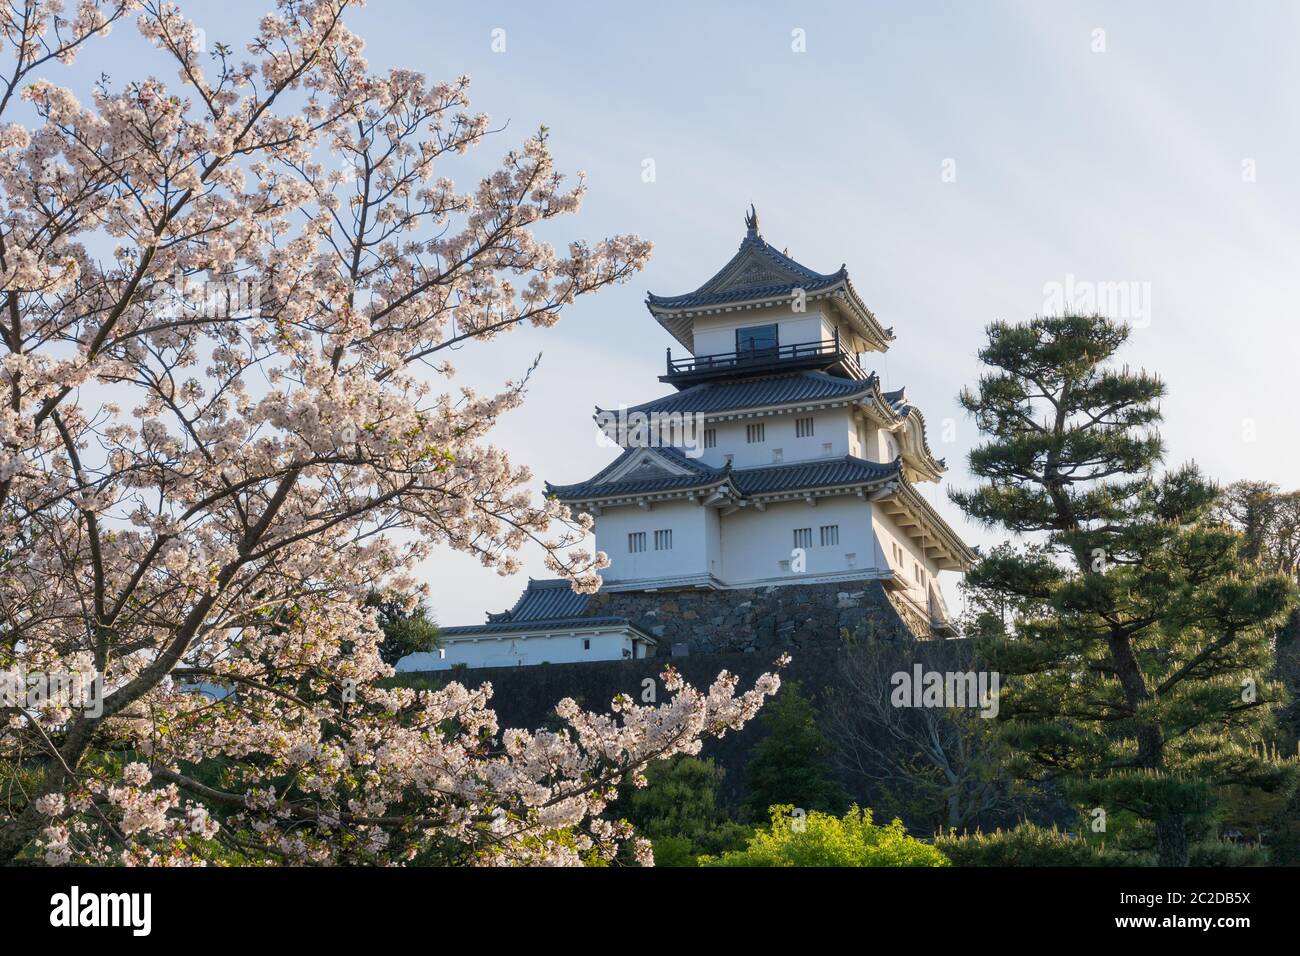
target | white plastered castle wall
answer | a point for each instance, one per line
(830, 438)
(694, 547)
(716, 334)
(888, 532)
(758, 546)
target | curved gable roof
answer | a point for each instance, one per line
(610, 481)
(769, 479)
(769, 390)
(756, 271)
(759, 272)
(545, 605)
(545, 600)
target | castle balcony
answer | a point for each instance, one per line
(826, 355)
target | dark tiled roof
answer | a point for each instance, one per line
(699, 475)
(544, 600)
(756, 271)
(798, 476)
(636, 486)
(506, 627)
(789, 389)
(759, 273)
(544, 605)
(812, 475)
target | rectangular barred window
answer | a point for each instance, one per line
(664, 540)
(710, 438)
(636, 541)
(755, 433)
(803, 428)
(803, 537)
(830, 535)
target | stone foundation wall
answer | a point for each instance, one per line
(526, 696)
(769, 618)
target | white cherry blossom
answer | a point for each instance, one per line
(227, 299)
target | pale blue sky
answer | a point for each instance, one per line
(1119, 166)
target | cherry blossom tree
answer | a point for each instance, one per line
(224, 310)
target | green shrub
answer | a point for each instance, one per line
(1029, 845)
(680, 812)
(821, 839)
(674, 851)
(1222, 853)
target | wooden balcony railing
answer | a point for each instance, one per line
(827, 351)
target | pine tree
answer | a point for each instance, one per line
(1136, 671)
(405, 632)
(680, 811)
(792, 764)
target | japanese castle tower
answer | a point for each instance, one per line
(770, 498)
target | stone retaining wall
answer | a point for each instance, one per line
(769, 618)
(526, 696)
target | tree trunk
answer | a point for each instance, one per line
(1171, 840)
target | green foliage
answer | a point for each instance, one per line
(679, 811)
(567, 838)
(674, 851)
(1269, 520)
(821, 839)
(1028, 844)
(405, 632)
(1255, 817)
(1223, 853)
(792, 764)
(1132, 631)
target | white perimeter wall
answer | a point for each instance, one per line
(509, 650)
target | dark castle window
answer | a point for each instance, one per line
(756, 338)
